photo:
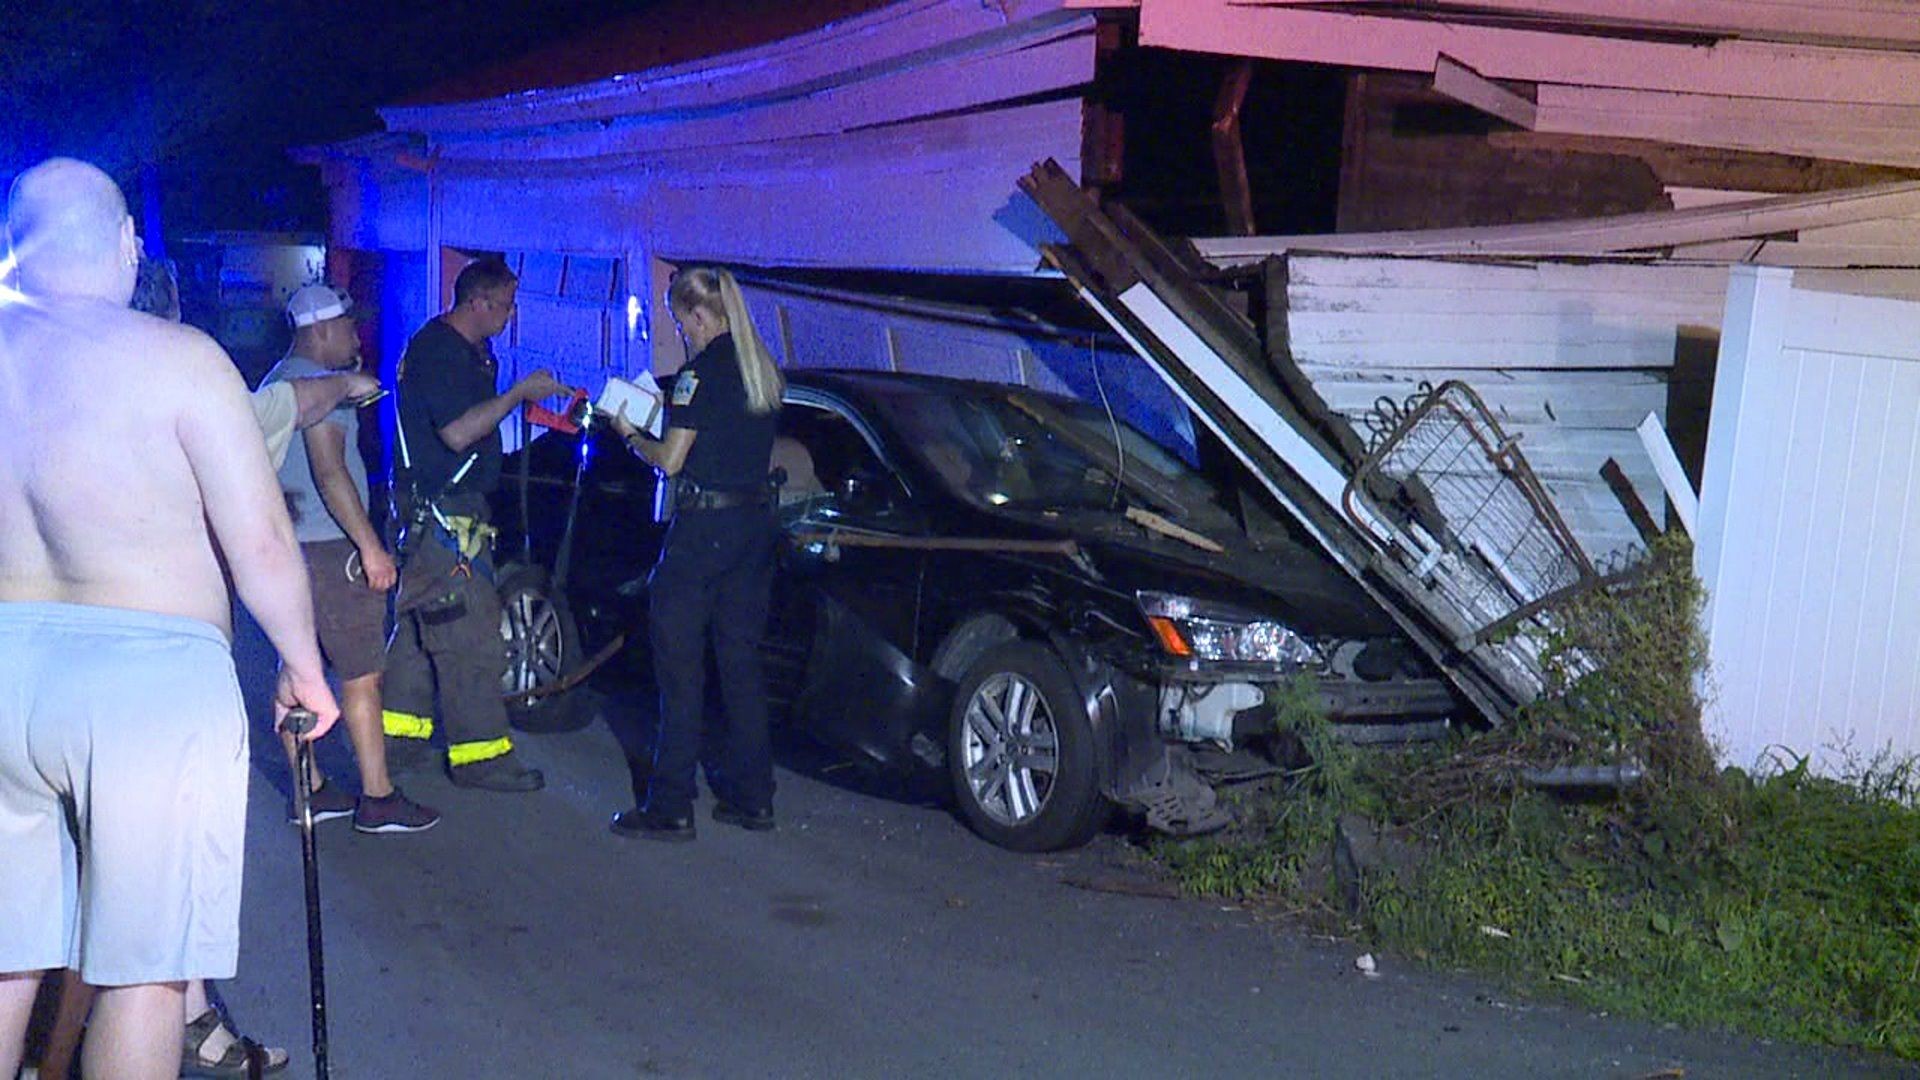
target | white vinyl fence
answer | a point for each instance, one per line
(1809, 533)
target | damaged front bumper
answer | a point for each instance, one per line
(1189, 731)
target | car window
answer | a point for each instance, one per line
(1025, 452)
(824, 456)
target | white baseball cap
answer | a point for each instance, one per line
(317, 303)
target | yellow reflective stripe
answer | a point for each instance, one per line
(402, 725)
(466, 753)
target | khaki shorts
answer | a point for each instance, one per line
(123, 795)
(351, 618)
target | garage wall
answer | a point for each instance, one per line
(571, 321)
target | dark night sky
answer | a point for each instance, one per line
(215, 91)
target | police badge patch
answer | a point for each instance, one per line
(684, 386)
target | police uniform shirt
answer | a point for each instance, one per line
(442, 375)
(734, 448)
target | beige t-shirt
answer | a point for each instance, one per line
(276, 410)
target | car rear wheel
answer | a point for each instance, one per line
(543, 646)
(1020, 752)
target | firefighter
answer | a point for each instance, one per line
(448, 633)
(710, 585)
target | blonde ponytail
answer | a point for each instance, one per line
(715, 290)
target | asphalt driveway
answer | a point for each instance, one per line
(869, 936)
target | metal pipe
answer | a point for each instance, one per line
(1617, 777)
(298, 722)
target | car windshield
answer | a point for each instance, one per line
(1022, 450)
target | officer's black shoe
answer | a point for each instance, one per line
(503, 773)
(755, 820)
(638, 824)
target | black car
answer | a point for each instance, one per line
(1008, 586)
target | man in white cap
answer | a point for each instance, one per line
(348, 567)
(280, 408)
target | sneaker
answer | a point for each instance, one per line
(393, 813)
(328, 802)
(503, 773)
(752, 820)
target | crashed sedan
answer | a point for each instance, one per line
(1011, 588)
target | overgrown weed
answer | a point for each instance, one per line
(1786, 905)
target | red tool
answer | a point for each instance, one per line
(558, 421)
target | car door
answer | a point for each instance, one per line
(614, 541)
(847, 590)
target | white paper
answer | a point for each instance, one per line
(642, 398)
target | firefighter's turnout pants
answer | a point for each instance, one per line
(447, 636)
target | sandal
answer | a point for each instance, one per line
(243, 1057)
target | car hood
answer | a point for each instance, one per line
(1282, 580)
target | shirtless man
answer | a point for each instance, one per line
(129, 466)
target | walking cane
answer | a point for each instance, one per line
(298, 723)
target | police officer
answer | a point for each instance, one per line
(448, 633)
(716, 566)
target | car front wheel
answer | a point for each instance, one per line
(542, 647)
(1020, 752)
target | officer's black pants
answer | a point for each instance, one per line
(711, 587)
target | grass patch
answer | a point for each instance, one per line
(1786, 906)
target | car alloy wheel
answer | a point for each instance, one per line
(536, 645)
(1011, 748)
(542, 647)
(1020, 753)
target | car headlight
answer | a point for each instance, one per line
(1196, 630)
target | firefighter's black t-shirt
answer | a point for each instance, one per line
(733, 449)
(443, 375)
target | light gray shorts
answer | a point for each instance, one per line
(123, 795)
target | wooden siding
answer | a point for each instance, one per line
(1045, 58)
(900, 36)
(1870, 23)
(851, 201)
(1832, 83)
(1875, 134)
(1867, 23)
(826, 149)
(1413, 159)
(1570, 53)
(855, 200)
(1652, 235)
(1569, 356)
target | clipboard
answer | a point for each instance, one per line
(642, 399)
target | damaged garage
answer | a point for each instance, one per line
(1229, 387)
